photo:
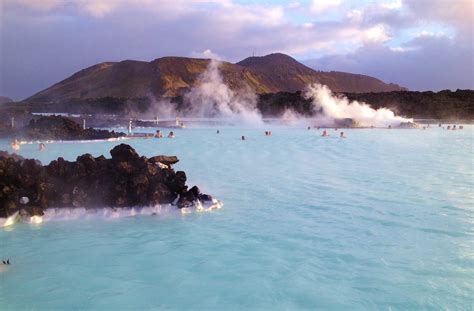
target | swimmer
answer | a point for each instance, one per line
(158, 134)
(218, 132)
(171, 135)
(243, 137)
(389, 126)
(42, 147)
(325, 133)
(439, 125)
(454, 127)
(461, 127)
(309, 127)
(15, 145)
(342, 135)
(448, 127)
(335, 129)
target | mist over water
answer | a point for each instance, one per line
(213, 98)
(338, 107)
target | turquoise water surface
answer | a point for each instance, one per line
(382, 220)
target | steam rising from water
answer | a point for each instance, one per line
(213, 98)
(334, 107)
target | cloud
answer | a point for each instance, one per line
(321, 6)
(458, 13)
(46, 41)
(97, 8)
(206, 54)
(376, 34)
(397, 4)
(427, 62)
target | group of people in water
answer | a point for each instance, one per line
(15, 145)
(159, 134)
(326, 133)
(453, 128)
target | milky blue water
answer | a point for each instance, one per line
(382, 220)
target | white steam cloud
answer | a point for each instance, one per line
(212, 98)
(334, 107)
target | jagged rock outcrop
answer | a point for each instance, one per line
(125, 180)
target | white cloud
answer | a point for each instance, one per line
(355, 15)
(97, 8)
(376, 34)
(425, 33)
(458, 13)
(401, 49)
(321, 6)
(206, 54)
(397, 4)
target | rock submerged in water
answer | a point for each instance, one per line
(125, 180)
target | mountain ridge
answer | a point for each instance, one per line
(172, 76)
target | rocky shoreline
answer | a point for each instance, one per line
(56, 128)
(124, 180)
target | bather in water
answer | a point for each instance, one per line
(15, 145)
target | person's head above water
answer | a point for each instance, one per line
(243, 137)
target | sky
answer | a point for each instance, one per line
(419, 44)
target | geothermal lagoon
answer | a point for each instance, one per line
(380, 220)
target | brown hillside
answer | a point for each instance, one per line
(280, 70)
(172, 76)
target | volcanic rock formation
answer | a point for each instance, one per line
(125, 180)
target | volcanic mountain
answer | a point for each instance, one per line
(172, 76)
